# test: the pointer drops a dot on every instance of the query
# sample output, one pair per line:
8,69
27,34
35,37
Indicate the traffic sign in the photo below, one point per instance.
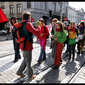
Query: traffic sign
65,19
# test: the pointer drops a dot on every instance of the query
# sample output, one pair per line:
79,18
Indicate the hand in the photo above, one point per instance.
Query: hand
55,38
41,34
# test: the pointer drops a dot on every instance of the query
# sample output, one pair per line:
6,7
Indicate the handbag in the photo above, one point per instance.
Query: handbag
53,43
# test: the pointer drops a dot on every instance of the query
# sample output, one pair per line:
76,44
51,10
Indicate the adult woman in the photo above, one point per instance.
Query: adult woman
42,36
15,44
53,43
81,42
73,32
60,37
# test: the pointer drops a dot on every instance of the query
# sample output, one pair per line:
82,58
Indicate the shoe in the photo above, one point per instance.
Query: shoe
34,76
55,67
16,60
6,39
22,75
43,58
38,61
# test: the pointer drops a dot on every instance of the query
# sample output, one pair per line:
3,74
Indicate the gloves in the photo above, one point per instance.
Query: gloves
38,23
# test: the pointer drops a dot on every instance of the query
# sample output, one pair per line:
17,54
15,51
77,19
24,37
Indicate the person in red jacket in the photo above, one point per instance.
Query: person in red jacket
42,36
27,52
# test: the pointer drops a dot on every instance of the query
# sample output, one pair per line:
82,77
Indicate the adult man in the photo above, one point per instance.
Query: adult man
27,52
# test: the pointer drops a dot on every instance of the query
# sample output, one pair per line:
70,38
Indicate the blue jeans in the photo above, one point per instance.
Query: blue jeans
42,54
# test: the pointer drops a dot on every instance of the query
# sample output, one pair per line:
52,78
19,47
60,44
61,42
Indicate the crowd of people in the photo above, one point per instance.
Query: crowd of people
61,35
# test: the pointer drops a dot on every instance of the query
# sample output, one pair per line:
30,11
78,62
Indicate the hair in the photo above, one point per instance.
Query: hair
41,19
61,25
82,23
26,15
11,23
55,20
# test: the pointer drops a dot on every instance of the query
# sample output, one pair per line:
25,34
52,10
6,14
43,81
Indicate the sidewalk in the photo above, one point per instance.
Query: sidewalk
44,71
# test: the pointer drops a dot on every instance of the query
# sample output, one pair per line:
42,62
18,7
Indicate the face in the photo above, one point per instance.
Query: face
81,25
72,25
13,20
54,22
30,18
57,26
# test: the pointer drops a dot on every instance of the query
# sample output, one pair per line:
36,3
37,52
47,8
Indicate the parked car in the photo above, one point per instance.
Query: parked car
3,31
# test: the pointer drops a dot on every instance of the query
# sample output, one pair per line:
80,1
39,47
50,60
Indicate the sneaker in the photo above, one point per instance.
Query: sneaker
38,61
43,58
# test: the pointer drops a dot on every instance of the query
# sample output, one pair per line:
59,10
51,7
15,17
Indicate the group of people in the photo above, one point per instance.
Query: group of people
60,35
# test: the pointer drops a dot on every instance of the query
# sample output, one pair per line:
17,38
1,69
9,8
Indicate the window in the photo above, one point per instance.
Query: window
19,8
28,4
3,8
44,5
11,7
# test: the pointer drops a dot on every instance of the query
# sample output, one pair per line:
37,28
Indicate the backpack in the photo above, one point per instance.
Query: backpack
45,32
22,34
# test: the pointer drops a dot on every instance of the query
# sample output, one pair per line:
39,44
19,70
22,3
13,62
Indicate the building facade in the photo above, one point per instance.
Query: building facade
75,15
46,10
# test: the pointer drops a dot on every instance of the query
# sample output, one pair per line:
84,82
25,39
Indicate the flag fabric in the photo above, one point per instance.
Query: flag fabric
3,19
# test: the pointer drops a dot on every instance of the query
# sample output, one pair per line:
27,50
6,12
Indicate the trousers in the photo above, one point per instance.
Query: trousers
26,63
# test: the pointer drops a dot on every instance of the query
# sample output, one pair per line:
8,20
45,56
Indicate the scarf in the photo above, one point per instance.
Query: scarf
58,30
73,29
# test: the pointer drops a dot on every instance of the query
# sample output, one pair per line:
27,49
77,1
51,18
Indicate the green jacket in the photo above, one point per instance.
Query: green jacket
61,36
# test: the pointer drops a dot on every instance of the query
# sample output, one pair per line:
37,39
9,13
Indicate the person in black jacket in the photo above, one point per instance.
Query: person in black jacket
15,44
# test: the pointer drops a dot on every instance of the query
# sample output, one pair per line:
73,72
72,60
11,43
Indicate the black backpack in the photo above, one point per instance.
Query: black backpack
45,32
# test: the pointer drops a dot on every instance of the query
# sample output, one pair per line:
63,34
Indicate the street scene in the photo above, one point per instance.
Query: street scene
42,43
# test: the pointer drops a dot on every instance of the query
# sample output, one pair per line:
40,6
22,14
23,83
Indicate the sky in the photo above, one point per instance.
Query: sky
77,4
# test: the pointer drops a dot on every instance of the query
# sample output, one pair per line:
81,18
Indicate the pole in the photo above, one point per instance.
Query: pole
61,12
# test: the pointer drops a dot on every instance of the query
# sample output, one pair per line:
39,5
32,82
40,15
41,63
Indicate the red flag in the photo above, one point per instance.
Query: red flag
3,19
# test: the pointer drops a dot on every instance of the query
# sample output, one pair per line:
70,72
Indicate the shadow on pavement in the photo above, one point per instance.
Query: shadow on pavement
6,66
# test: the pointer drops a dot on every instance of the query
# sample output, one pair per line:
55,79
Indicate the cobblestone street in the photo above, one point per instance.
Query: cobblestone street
68,72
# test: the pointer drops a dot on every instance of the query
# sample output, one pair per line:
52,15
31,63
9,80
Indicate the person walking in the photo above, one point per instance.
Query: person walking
15,44
81,42
27,52
42,36
53,45
73,32
60,37
8,33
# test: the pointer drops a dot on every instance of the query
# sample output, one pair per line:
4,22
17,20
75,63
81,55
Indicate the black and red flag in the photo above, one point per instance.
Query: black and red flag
3,19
